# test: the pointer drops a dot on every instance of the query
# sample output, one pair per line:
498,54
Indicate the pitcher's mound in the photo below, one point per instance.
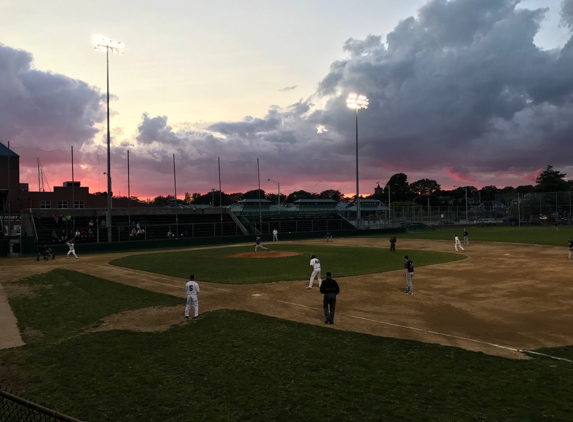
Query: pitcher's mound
265,254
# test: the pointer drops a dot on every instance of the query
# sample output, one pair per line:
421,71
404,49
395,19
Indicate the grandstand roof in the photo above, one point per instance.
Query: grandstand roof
5,152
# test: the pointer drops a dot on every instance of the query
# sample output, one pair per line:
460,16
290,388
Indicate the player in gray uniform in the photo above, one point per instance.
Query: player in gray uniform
466,238
570,243
258,244
315,265
192,288
275,235
408,274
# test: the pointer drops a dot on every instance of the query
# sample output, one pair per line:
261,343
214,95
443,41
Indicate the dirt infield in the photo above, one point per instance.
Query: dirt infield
501,299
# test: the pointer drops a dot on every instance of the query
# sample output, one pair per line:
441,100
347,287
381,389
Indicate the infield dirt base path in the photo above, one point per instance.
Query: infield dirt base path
501,299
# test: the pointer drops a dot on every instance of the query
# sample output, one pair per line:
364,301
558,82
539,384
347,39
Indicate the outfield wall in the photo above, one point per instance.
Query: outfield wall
29,247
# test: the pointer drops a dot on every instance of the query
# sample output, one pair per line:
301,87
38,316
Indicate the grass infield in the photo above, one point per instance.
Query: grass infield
216,265
237,366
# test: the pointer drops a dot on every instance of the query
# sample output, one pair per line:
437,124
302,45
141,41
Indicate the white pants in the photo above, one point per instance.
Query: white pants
260,246
458,244
466,241
72,251
192,301
410,287
275,238
315,273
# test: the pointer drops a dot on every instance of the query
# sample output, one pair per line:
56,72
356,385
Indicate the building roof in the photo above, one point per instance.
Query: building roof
5,152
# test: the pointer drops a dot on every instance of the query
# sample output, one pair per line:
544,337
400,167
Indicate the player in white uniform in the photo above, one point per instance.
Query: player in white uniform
192,288
72,247
457,243
315,264
275,235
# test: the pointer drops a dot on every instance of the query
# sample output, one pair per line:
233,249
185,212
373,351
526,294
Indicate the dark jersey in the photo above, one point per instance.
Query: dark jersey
393,239
329,286
465,234
258,241
409,265
571,244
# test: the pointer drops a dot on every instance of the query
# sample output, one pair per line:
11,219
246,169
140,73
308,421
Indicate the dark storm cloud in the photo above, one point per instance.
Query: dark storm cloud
43,108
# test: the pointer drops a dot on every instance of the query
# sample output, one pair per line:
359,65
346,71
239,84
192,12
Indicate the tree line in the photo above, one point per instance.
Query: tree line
397,188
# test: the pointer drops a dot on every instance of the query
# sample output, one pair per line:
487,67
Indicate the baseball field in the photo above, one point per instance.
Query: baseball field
486,336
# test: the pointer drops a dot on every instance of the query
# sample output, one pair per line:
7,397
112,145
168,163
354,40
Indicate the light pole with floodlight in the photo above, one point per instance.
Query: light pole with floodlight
357,102
279,190
466,189
117,48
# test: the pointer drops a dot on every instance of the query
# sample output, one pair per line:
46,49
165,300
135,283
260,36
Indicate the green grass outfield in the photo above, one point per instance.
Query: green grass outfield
214,265
237,366
539,235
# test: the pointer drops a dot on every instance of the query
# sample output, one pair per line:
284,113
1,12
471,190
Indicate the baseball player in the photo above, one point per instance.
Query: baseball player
457,243
275,235
329,289
392,243
328,237
466,238
192,288
258,244
72,250
408,274
315,265
570,242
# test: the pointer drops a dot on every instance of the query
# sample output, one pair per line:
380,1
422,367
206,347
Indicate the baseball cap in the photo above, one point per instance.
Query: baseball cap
328,274
406,257
191,277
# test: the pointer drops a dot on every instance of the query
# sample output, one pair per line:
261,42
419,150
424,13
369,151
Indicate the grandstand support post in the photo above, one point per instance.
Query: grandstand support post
128,201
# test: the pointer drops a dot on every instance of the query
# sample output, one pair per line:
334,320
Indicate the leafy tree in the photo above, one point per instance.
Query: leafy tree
551,181
254,194
331,194
399,187
300,194
487,193
424,187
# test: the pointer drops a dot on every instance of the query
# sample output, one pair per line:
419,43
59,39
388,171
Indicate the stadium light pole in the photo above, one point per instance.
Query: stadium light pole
466,189
356,102
105,44
413,207
279,189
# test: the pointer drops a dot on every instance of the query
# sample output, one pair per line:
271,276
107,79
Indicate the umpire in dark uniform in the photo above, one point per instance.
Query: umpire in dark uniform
329,288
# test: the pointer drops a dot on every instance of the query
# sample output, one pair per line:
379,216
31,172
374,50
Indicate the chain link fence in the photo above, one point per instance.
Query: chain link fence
14,408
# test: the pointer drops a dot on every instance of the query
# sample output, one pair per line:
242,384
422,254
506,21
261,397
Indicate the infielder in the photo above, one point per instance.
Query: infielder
72,250
457,243
275,235
192,288
258,244
570,242
408,274
466,238
315,265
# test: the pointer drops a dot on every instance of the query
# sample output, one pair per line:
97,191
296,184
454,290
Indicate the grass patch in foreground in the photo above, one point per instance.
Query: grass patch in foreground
237,366
216,265
61,303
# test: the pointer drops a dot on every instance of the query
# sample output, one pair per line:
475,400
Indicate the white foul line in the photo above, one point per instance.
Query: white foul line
512,349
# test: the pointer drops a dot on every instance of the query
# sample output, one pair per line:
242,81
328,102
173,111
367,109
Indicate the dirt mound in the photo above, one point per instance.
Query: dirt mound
265,254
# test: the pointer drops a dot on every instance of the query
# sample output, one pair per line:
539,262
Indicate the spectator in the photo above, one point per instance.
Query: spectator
54,237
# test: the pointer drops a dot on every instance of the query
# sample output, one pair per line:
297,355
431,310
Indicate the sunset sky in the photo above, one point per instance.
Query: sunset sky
466,92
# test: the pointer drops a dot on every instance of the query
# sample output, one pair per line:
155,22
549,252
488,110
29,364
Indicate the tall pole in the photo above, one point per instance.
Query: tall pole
279,189
128,200
467,220
176,204
259,180
108,211
38,160
220,192
389,209
73,194
357,179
